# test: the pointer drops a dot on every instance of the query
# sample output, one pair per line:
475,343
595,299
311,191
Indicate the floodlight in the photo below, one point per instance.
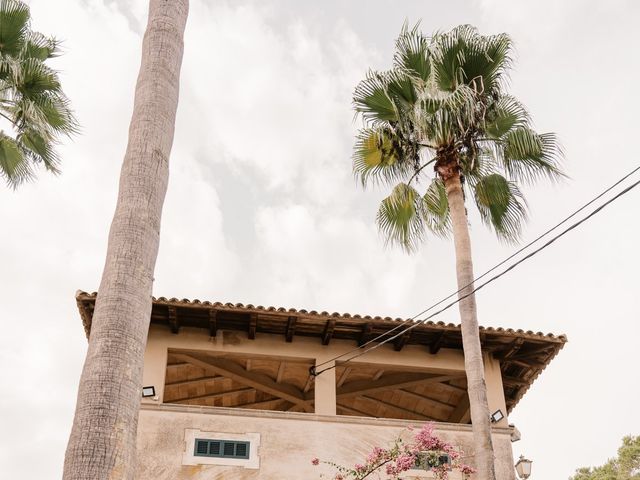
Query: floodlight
148,391
497,416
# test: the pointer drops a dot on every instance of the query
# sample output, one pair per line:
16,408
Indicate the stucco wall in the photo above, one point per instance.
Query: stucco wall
288,441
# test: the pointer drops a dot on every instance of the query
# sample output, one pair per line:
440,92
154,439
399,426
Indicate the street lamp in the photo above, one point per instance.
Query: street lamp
523,467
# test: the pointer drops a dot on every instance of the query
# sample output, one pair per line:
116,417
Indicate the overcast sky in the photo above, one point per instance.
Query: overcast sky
262,207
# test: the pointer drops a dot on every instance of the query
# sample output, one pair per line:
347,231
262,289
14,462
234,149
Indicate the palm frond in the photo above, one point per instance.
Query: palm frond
14,24
412,53
40,47
504,115
401,217
14,167
436,209
501,205
39,149
379,157
528,156
371,99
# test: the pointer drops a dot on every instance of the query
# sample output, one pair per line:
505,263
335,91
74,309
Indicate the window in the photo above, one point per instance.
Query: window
221,448
234,449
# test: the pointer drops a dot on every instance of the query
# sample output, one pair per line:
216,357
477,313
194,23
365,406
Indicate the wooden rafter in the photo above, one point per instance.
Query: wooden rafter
173,320
259,381
362,387
291,328
211,395
427,400
367,331
327,334
461,411
436,345
396,408
354,411
193,381
213,323
273,404
343,376
401,341
280,373
253,326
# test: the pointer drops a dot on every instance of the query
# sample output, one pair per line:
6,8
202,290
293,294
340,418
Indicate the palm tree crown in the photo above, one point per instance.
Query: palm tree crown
33,107
443,103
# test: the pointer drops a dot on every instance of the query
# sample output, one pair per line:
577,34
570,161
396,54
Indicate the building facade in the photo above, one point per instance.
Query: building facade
244,392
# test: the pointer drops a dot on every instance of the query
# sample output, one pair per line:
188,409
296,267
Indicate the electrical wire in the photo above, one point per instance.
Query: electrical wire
314,370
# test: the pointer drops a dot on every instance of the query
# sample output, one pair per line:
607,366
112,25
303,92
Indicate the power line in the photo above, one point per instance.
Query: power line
314,370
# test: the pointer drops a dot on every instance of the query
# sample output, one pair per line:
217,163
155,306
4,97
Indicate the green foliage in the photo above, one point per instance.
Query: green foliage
444,102
626,466
32,104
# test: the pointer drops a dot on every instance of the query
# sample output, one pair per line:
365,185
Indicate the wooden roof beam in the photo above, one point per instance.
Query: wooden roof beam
329,327
361,387
173,320
253,326
366,334
212,395
343,376
436,345
193,381
259,381
353,411
461,410
422,398
398,409
280,373
213,323
401,341
291,328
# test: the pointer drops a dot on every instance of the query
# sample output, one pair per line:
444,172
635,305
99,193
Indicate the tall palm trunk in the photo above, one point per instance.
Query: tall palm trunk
103,437
473,363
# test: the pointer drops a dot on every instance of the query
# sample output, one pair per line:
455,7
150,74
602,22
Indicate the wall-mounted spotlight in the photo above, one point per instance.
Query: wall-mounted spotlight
148,391
497,416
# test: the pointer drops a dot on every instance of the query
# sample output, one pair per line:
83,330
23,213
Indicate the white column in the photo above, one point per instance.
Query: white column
495,390
325,388
155,368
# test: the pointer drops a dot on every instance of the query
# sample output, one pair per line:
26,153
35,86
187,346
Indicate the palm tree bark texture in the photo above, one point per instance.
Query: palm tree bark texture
443,103
103,437
474,365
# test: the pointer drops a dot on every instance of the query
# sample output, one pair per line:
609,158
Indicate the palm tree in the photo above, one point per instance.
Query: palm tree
33,108
444,104
103,436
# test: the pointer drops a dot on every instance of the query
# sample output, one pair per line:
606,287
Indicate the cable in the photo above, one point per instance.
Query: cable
410,320
314,370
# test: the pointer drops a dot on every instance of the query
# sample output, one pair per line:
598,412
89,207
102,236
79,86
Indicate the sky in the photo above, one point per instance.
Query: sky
262,206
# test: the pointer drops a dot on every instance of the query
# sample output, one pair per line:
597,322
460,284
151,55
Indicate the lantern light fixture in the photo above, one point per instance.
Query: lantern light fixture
523,467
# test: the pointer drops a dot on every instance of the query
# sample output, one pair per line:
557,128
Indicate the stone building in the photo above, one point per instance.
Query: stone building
233,396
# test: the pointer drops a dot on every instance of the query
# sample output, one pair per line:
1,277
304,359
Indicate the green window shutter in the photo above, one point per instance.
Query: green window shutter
214,448
221,448
201,447
242,450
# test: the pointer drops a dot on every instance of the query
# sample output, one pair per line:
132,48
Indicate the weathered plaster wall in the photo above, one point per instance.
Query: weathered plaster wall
288,441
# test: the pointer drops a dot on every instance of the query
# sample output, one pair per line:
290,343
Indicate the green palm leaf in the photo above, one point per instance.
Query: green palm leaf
14,25
527,155
501,205
412,53
379,157
31,97
401,217
436,209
